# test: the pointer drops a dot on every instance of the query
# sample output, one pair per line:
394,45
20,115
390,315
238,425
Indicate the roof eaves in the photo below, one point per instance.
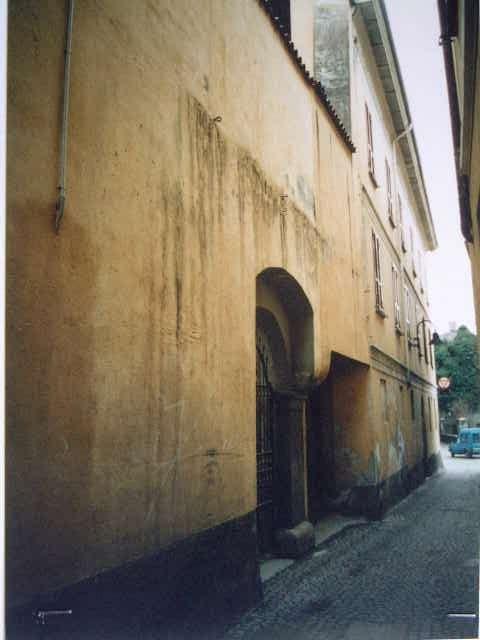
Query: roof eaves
318,88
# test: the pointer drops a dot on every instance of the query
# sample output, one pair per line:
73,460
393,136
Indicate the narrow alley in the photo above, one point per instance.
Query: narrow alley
222,326
398,578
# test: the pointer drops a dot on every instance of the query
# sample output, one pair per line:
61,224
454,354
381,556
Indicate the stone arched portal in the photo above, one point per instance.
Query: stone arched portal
284,351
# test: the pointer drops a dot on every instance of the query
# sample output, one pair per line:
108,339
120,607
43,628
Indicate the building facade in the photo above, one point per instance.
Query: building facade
459,38
217,326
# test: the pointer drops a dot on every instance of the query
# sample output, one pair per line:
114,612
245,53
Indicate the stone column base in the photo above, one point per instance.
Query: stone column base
295,542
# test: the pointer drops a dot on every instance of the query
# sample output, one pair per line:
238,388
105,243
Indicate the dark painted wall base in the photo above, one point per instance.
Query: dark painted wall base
435,463
373,501
188,591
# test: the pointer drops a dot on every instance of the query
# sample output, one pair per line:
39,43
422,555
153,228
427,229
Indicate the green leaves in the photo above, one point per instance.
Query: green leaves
457,360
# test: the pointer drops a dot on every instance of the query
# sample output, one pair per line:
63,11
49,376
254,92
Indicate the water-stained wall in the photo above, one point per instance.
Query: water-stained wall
131,334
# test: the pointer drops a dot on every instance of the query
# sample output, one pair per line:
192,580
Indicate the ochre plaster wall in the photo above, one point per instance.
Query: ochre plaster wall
352,424
395,438
131,334
301,12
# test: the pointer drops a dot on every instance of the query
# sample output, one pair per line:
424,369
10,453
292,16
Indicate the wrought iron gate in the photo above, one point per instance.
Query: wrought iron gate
265,454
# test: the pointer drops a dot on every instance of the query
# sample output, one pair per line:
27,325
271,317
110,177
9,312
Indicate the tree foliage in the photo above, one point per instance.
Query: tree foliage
457,360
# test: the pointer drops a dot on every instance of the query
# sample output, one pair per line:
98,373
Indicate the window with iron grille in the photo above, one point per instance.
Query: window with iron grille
388,174
400,224
396,300
371,160
408,323
377,269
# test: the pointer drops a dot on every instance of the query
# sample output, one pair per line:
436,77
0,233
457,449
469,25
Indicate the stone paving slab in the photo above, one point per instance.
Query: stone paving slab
396,578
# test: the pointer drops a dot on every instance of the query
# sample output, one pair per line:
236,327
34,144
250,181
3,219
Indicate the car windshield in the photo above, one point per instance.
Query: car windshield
463,437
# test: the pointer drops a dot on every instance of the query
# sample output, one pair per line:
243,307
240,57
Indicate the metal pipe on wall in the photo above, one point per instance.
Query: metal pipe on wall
62,180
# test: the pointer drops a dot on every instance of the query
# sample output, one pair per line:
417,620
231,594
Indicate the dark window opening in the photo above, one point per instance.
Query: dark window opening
371,159
281,10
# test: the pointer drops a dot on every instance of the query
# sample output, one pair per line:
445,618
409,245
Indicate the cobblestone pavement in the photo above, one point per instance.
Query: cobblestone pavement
393,579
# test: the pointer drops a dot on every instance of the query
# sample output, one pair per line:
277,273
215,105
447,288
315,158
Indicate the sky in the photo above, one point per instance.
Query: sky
416,30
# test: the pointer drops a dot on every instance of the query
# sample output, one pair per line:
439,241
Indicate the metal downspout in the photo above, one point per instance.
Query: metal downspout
62,179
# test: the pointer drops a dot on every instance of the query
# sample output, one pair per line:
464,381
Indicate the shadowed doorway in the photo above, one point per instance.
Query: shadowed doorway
284,364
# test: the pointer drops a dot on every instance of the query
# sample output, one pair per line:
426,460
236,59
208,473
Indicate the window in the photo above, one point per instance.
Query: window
417,336
420,269
400,224
412,249
408,324
389,194
396,300
377,274
371,161
412,403
426,342
383,387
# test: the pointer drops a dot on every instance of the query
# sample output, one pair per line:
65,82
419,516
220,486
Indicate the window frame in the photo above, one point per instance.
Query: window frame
377,275
390,210
370,148
384,400
408,322
400,223
420,325
396,301
412,249
426,342
420,269
418,342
